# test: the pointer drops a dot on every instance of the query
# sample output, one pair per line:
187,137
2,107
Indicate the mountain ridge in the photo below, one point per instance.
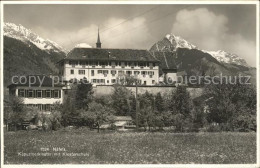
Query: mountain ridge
19,32
171,42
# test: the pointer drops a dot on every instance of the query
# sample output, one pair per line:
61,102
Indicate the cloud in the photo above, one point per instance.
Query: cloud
131,34
125,35
209,31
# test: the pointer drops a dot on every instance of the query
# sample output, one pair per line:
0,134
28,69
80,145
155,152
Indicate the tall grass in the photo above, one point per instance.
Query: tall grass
131,148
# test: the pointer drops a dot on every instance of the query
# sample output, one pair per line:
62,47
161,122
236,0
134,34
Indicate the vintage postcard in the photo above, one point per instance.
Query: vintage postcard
129,84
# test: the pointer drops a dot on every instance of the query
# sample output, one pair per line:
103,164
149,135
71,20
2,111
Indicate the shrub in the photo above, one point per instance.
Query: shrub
245,123
213,128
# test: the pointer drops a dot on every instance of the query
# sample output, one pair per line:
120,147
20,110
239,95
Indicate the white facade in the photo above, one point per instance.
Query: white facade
106,73
41,97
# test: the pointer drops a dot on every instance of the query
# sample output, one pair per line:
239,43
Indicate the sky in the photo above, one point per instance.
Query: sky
231,28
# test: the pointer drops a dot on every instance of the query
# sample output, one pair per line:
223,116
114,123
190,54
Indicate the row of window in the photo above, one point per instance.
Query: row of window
113,81
41,107
113,72
117,63
29,93
99,81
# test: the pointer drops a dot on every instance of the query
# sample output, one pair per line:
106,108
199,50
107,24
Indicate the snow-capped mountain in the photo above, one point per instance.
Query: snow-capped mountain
171,42
223,56
26,35
179,42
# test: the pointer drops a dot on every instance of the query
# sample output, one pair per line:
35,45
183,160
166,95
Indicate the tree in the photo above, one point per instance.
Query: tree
77,98
68,109
83,94
14,110
146,115
97,114
181,108
159,102
121,100
181,102
229,104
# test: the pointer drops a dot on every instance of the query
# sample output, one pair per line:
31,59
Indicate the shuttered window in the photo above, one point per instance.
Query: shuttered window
30,93
56,93
21,92
48,93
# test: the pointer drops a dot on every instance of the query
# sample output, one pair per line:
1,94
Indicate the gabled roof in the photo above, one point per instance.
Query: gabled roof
35,81
167,60
110,54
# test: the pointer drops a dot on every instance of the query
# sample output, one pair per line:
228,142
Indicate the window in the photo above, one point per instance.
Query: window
144,72
129,72
132,65
151,65
94,81
103,63
121,72
151,73
39,106
113,81
48,94
83,63
47,107
72,71
102,80
56,93
30,93
93,64
122,64
39,93
92,73
153,81
144,82
81,72
113,72
99,71
107,81
136,72
21,92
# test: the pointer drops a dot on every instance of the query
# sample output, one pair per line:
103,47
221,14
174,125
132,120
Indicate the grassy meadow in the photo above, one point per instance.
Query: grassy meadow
89,147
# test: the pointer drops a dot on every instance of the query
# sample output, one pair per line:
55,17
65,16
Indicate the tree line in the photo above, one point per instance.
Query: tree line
221,107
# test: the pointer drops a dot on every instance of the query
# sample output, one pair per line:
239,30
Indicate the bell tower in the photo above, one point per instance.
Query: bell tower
98,44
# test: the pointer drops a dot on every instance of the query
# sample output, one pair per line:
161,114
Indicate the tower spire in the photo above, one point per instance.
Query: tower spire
98,44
